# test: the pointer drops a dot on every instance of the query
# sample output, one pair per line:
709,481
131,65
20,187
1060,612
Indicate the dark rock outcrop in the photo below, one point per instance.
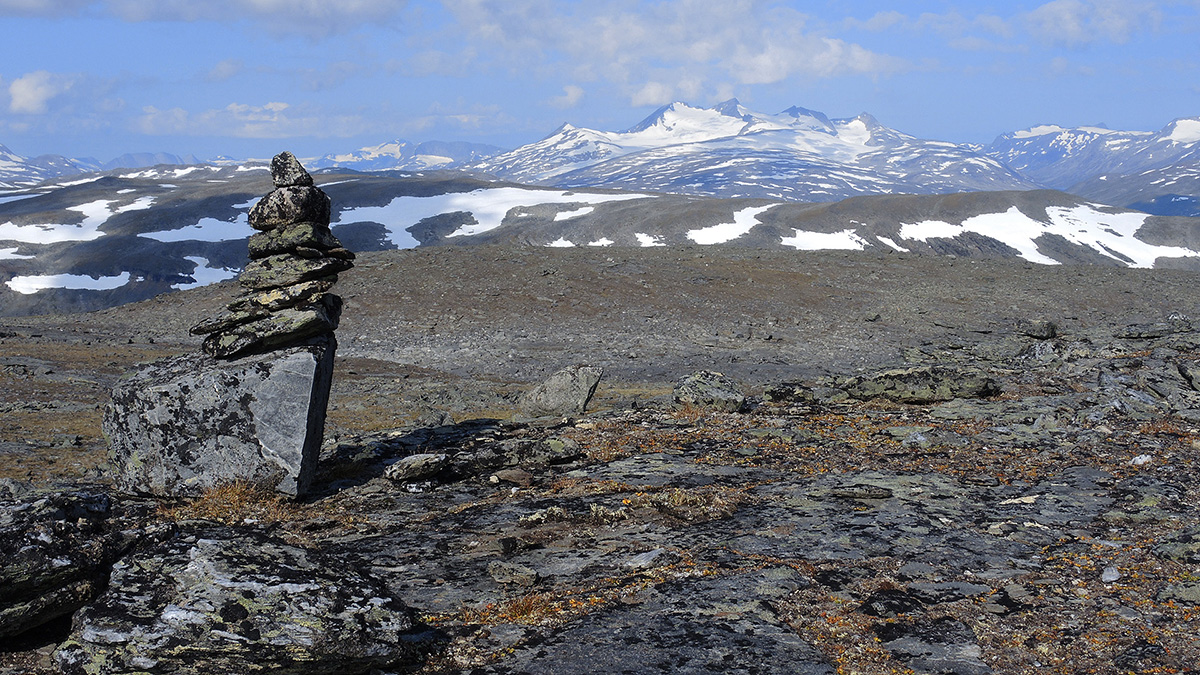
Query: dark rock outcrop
55,552
924,384
183,425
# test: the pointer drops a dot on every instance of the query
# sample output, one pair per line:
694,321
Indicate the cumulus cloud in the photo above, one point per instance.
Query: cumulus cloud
571,96
1080,22
31,93
225,70
663,50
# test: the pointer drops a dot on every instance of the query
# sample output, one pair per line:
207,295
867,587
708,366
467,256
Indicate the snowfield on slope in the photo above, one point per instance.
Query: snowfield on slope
1110,234
488,207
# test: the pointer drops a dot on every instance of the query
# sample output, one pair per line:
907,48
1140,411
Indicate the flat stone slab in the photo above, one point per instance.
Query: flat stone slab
183,425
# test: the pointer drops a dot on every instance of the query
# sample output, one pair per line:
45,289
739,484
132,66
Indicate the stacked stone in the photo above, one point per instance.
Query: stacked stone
294,261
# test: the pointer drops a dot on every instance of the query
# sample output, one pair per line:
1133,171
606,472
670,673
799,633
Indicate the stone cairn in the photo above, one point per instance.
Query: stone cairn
252,406
294,261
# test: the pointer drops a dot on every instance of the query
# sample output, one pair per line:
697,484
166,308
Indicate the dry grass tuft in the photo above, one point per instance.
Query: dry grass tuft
237,503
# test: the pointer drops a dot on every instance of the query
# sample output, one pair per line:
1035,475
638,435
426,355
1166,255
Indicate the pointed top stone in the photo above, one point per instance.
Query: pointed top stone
286,171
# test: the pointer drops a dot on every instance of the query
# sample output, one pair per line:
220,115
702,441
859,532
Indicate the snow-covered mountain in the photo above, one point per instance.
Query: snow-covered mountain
16,170
1063,158
730,151
407,156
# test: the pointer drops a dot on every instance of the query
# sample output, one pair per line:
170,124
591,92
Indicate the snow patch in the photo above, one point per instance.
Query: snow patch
1185,131
1109,234
649,239
204,275
94,213
32,284
561,243
892,243
1040,130
209,229
487,206
567,215
743,222
823,241
602,241
11,254
13,198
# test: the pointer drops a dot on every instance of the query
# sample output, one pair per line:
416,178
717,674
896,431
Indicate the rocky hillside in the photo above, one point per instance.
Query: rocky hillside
910,464
129,235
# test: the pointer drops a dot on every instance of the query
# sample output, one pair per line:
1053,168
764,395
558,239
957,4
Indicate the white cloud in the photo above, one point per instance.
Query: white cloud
316,18
1081,22
225,70
31,93
41,7
662,50
572,95
240,120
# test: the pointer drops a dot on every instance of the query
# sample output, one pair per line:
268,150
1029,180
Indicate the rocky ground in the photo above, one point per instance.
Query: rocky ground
923,478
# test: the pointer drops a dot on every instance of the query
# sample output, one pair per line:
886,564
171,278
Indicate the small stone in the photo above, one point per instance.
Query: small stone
516,476
1038,329
416,467
509,573
289,205
286,171
1110,575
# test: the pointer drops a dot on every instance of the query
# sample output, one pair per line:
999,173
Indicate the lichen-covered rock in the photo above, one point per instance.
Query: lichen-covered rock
286,171
288,237
709,389
287,269
286,326
183,425
288,205
275,299
55,552
221,600
566,392
926,384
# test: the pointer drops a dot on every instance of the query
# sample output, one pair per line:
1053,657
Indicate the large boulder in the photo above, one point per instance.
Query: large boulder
221,600
566,392
55,553
189,423
708,389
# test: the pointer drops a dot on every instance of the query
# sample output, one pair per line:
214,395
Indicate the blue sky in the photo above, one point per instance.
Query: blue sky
248,78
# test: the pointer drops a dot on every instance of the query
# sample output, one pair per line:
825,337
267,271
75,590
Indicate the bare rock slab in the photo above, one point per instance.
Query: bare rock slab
183,425
220,600
566,392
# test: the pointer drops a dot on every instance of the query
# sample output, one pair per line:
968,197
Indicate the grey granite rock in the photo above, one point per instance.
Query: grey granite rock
276,330
288,205
233,601
189,423
286,171
566,392
710,389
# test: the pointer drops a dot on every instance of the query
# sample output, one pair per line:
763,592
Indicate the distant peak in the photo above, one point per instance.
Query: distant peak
730,108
